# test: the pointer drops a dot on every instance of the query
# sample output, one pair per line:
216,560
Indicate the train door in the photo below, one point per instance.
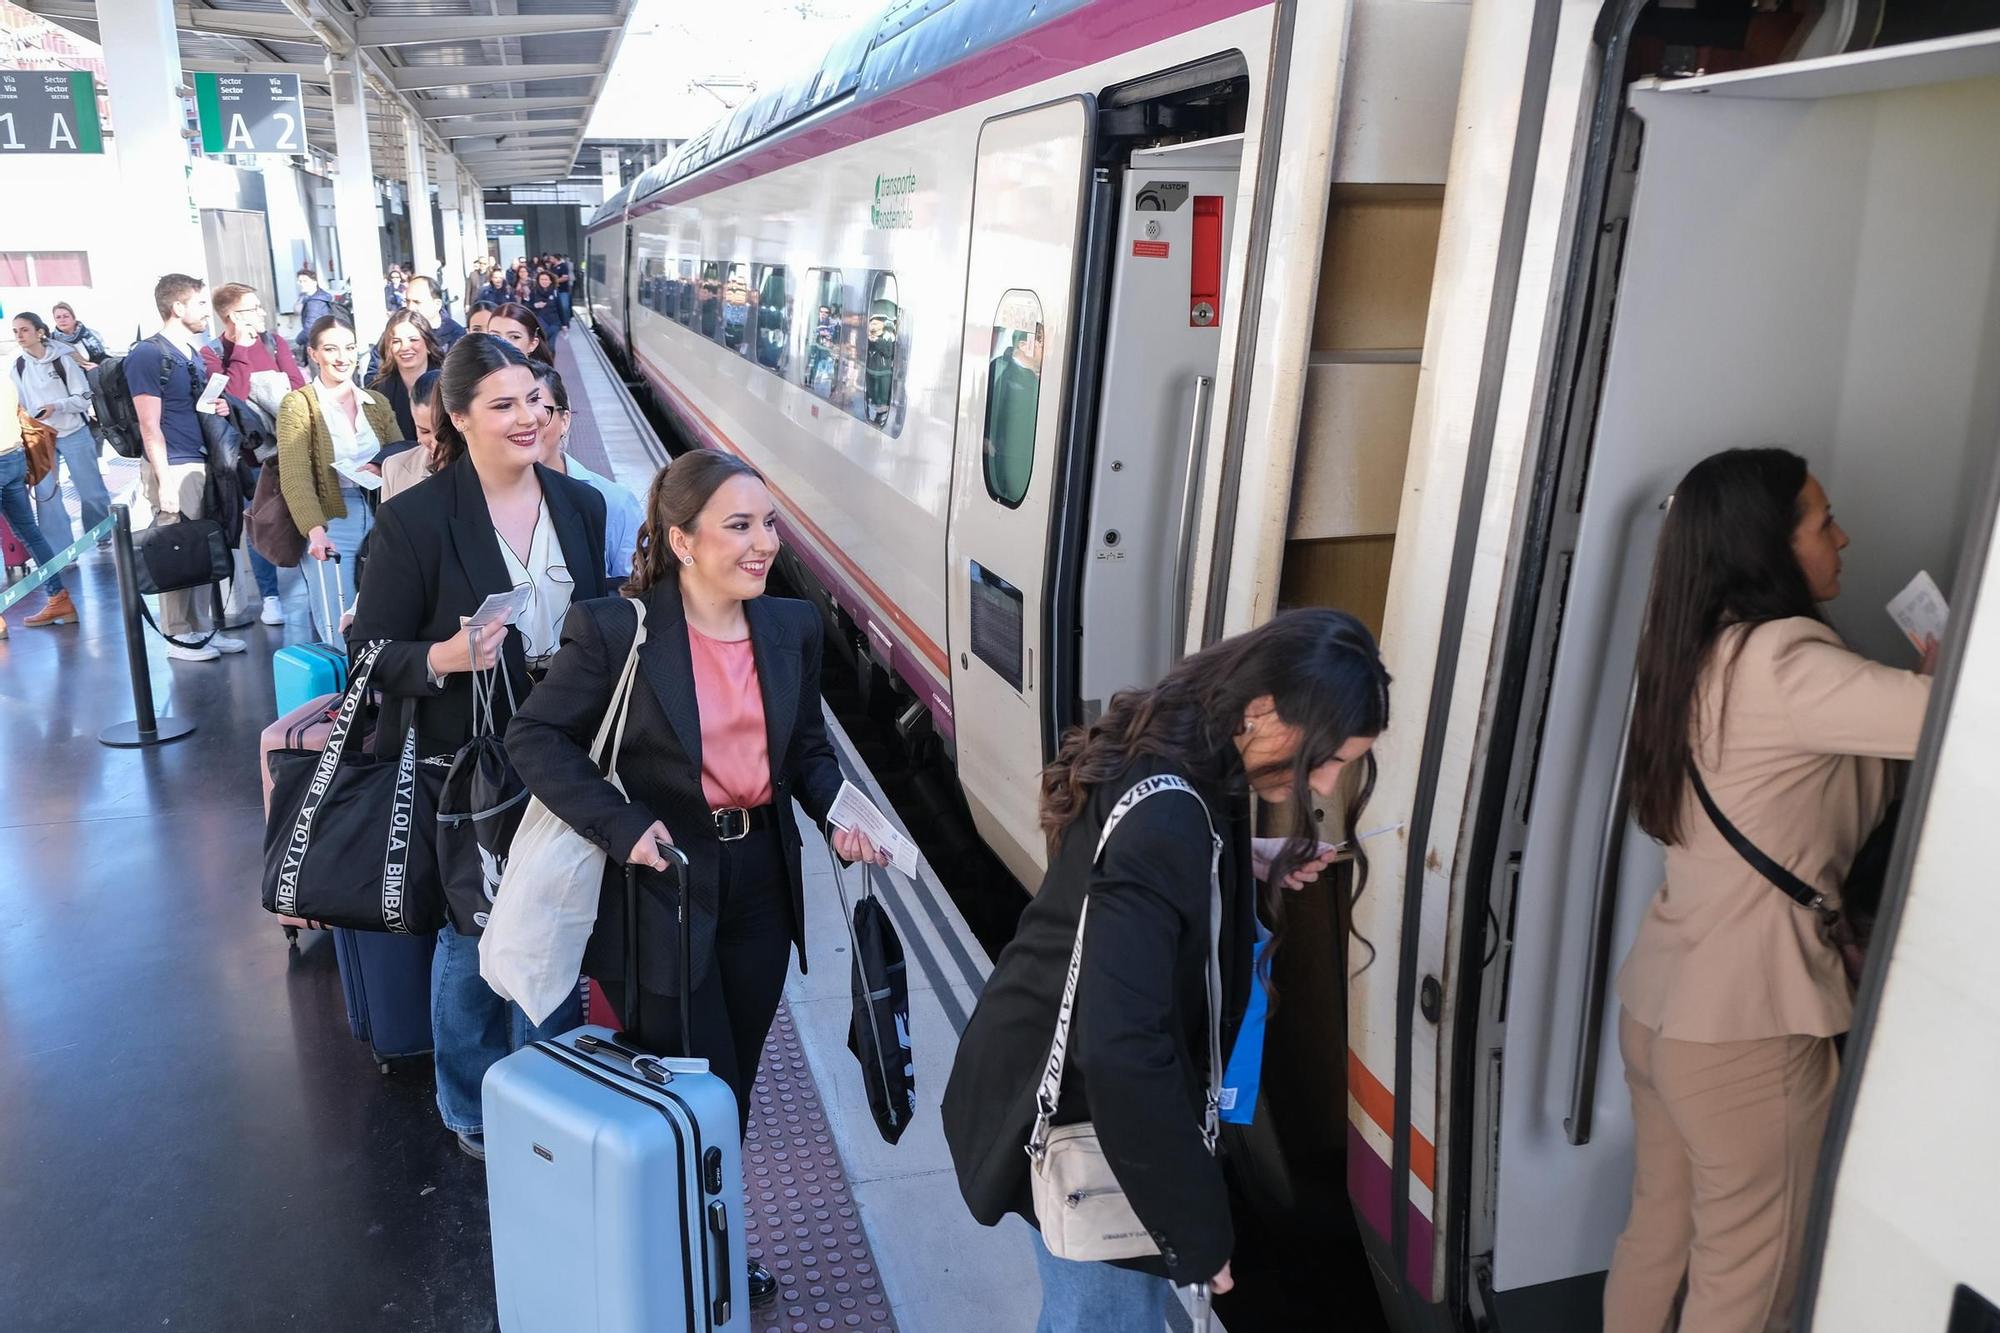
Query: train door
1163,339
1027,208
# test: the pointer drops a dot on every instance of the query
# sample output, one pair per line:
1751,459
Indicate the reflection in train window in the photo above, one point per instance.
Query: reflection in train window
822,346
684,310
708,308
738,309
652,281
876,353
774,317
1013,396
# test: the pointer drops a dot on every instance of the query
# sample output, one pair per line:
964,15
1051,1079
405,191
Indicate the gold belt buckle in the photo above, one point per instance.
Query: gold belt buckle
732,823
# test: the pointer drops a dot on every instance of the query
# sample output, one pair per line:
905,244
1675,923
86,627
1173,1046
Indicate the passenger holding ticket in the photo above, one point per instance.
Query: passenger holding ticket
724,732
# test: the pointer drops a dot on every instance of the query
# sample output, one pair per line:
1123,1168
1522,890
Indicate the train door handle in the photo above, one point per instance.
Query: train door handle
1197,457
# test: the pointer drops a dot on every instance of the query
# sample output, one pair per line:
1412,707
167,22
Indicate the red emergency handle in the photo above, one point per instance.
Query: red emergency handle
1205,263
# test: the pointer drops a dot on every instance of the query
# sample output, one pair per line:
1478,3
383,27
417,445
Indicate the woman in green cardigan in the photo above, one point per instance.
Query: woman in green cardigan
330,427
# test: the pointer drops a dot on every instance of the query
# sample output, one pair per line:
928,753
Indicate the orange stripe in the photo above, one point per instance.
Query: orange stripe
869,587
1379,1105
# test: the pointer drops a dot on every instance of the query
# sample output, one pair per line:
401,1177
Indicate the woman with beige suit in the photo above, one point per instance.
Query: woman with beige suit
1733,994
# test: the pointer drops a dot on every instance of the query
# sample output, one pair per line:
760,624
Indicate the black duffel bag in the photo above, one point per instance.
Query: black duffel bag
173,557
351,837
481,806
878,1031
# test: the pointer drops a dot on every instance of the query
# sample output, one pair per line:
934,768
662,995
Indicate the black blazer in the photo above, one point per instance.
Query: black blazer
660,764
1138,1049
433,557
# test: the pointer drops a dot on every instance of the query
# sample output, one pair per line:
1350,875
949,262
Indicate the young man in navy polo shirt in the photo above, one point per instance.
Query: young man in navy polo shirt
165,375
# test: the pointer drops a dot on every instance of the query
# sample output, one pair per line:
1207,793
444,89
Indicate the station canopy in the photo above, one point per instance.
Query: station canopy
504,86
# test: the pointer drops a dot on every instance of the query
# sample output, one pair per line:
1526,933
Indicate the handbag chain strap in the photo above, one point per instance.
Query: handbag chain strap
1050,1091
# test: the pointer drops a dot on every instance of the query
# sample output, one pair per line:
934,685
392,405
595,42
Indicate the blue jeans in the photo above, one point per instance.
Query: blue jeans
474,1029
1081,1297
21,515
77,451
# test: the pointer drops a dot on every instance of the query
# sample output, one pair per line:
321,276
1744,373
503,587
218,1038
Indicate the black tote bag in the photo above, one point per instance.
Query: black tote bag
173,557
479,809
351,837
879,1032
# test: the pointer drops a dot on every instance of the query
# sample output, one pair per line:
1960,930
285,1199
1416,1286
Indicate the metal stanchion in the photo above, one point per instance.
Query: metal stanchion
145,728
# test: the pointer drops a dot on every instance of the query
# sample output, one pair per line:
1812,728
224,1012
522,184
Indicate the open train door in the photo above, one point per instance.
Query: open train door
1027,212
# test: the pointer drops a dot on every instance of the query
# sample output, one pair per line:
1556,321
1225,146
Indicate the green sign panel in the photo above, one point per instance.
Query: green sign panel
250,113
48,111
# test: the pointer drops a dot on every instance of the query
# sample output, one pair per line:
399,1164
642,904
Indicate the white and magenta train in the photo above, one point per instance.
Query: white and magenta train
1077,334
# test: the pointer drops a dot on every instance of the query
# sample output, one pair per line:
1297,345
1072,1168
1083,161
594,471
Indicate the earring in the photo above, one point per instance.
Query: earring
687,559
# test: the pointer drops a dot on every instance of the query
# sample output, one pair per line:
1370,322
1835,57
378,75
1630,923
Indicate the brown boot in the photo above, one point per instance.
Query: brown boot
59,610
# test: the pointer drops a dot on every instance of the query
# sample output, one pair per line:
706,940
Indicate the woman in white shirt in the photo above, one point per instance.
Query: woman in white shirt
330,426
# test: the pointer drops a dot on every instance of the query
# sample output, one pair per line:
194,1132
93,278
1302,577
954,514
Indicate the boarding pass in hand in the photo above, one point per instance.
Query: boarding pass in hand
853,811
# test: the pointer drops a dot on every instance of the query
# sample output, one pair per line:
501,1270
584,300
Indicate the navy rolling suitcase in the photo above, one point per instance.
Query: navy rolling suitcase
305,671
614,1180
387,981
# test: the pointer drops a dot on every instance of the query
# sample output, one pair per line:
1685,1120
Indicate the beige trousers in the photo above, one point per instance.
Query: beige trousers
183,614
1727,1137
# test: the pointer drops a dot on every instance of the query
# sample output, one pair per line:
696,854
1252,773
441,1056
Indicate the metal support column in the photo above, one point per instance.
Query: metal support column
354,196
455,261
417,173
142,74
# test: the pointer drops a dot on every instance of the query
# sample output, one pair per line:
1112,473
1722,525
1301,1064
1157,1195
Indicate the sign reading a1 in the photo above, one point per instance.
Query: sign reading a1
48,111
250,113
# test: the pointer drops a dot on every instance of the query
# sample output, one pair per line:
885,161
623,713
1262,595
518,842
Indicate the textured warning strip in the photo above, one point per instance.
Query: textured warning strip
803,1223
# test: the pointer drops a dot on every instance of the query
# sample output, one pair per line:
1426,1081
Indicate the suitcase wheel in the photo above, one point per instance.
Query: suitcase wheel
381,1066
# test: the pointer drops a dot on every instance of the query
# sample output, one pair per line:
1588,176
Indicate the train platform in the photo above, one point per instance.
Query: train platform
189,1136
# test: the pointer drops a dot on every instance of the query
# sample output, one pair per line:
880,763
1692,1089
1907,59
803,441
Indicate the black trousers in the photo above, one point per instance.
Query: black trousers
730,1013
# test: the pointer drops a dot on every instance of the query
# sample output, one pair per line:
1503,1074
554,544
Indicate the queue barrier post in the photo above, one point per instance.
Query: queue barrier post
146,728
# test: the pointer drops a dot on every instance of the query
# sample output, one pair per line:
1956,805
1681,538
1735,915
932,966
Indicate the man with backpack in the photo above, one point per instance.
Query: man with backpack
162,379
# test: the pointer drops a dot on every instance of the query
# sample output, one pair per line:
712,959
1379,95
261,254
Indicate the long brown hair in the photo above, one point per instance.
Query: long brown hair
520,314
680,491
1323,673
433,350
1725,559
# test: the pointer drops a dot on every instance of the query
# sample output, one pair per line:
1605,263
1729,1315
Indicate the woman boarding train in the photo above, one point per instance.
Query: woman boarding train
727,735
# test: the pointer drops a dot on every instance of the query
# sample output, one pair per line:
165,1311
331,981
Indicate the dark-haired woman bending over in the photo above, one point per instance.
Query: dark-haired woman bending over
489,520
1276,713
1732,994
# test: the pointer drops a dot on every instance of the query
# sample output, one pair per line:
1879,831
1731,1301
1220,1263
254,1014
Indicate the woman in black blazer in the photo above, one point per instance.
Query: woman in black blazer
1276,713
724,732
489,520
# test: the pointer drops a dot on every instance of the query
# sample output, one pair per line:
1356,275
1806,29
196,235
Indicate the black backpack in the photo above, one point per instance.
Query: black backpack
116,415
62,370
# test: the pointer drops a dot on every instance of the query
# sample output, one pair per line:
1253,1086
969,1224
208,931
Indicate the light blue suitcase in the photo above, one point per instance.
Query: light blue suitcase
305,671
615,1184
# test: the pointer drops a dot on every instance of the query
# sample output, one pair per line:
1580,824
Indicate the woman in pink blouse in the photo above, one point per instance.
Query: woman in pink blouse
726,735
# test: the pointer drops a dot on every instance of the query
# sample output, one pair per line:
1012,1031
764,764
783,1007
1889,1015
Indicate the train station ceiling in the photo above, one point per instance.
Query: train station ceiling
506,86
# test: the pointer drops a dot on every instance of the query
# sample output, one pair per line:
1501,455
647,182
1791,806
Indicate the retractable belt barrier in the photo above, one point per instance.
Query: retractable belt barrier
145,728
14,592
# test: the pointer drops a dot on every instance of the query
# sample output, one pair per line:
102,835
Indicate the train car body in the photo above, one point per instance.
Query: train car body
1075,336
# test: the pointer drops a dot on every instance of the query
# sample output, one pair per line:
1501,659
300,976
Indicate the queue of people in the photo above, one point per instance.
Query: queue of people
1096,1045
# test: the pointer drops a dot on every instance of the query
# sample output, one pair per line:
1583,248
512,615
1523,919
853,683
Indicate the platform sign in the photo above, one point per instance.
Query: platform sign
49,111
250,113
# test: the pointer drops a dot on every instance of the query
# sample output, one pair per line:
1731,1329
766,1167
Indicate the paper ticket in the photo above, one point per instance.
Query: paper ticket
852,810
1920,610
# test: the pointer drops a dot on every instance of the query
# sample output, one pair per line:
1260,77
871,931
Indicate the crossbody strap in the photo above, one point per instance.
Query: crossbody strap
1800,892
612,728
1050,1090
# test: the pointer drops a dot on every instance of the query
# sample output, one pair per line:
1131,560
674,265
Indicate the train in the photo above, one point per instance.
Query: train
1075,336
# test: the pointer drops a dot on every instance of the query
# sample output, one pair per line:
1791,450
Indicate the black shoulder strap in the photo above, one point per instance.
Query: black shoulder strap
1800,892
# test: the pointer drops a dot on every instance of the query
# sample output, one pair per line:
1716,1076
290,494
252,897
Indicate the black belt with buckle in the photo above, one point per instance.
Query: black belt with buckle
734,823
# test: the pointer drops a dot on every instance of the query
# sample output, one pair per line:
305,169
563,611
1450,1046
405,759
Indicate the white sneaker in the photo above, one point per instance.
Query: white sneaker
274,612
223,643
180,652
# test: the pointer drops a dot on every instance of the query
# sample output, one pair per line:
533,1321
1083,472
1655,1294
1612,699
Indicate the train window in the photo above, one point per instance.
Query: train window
739,309
823,352
1013,396
774,318
684,310
708,308
595,266
652,282
879,342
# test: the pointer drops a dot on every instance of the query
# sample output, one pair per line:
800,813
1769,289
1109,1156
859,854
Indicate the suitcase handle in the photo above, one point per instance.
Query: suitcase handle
645,1066
718,1226
677,862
